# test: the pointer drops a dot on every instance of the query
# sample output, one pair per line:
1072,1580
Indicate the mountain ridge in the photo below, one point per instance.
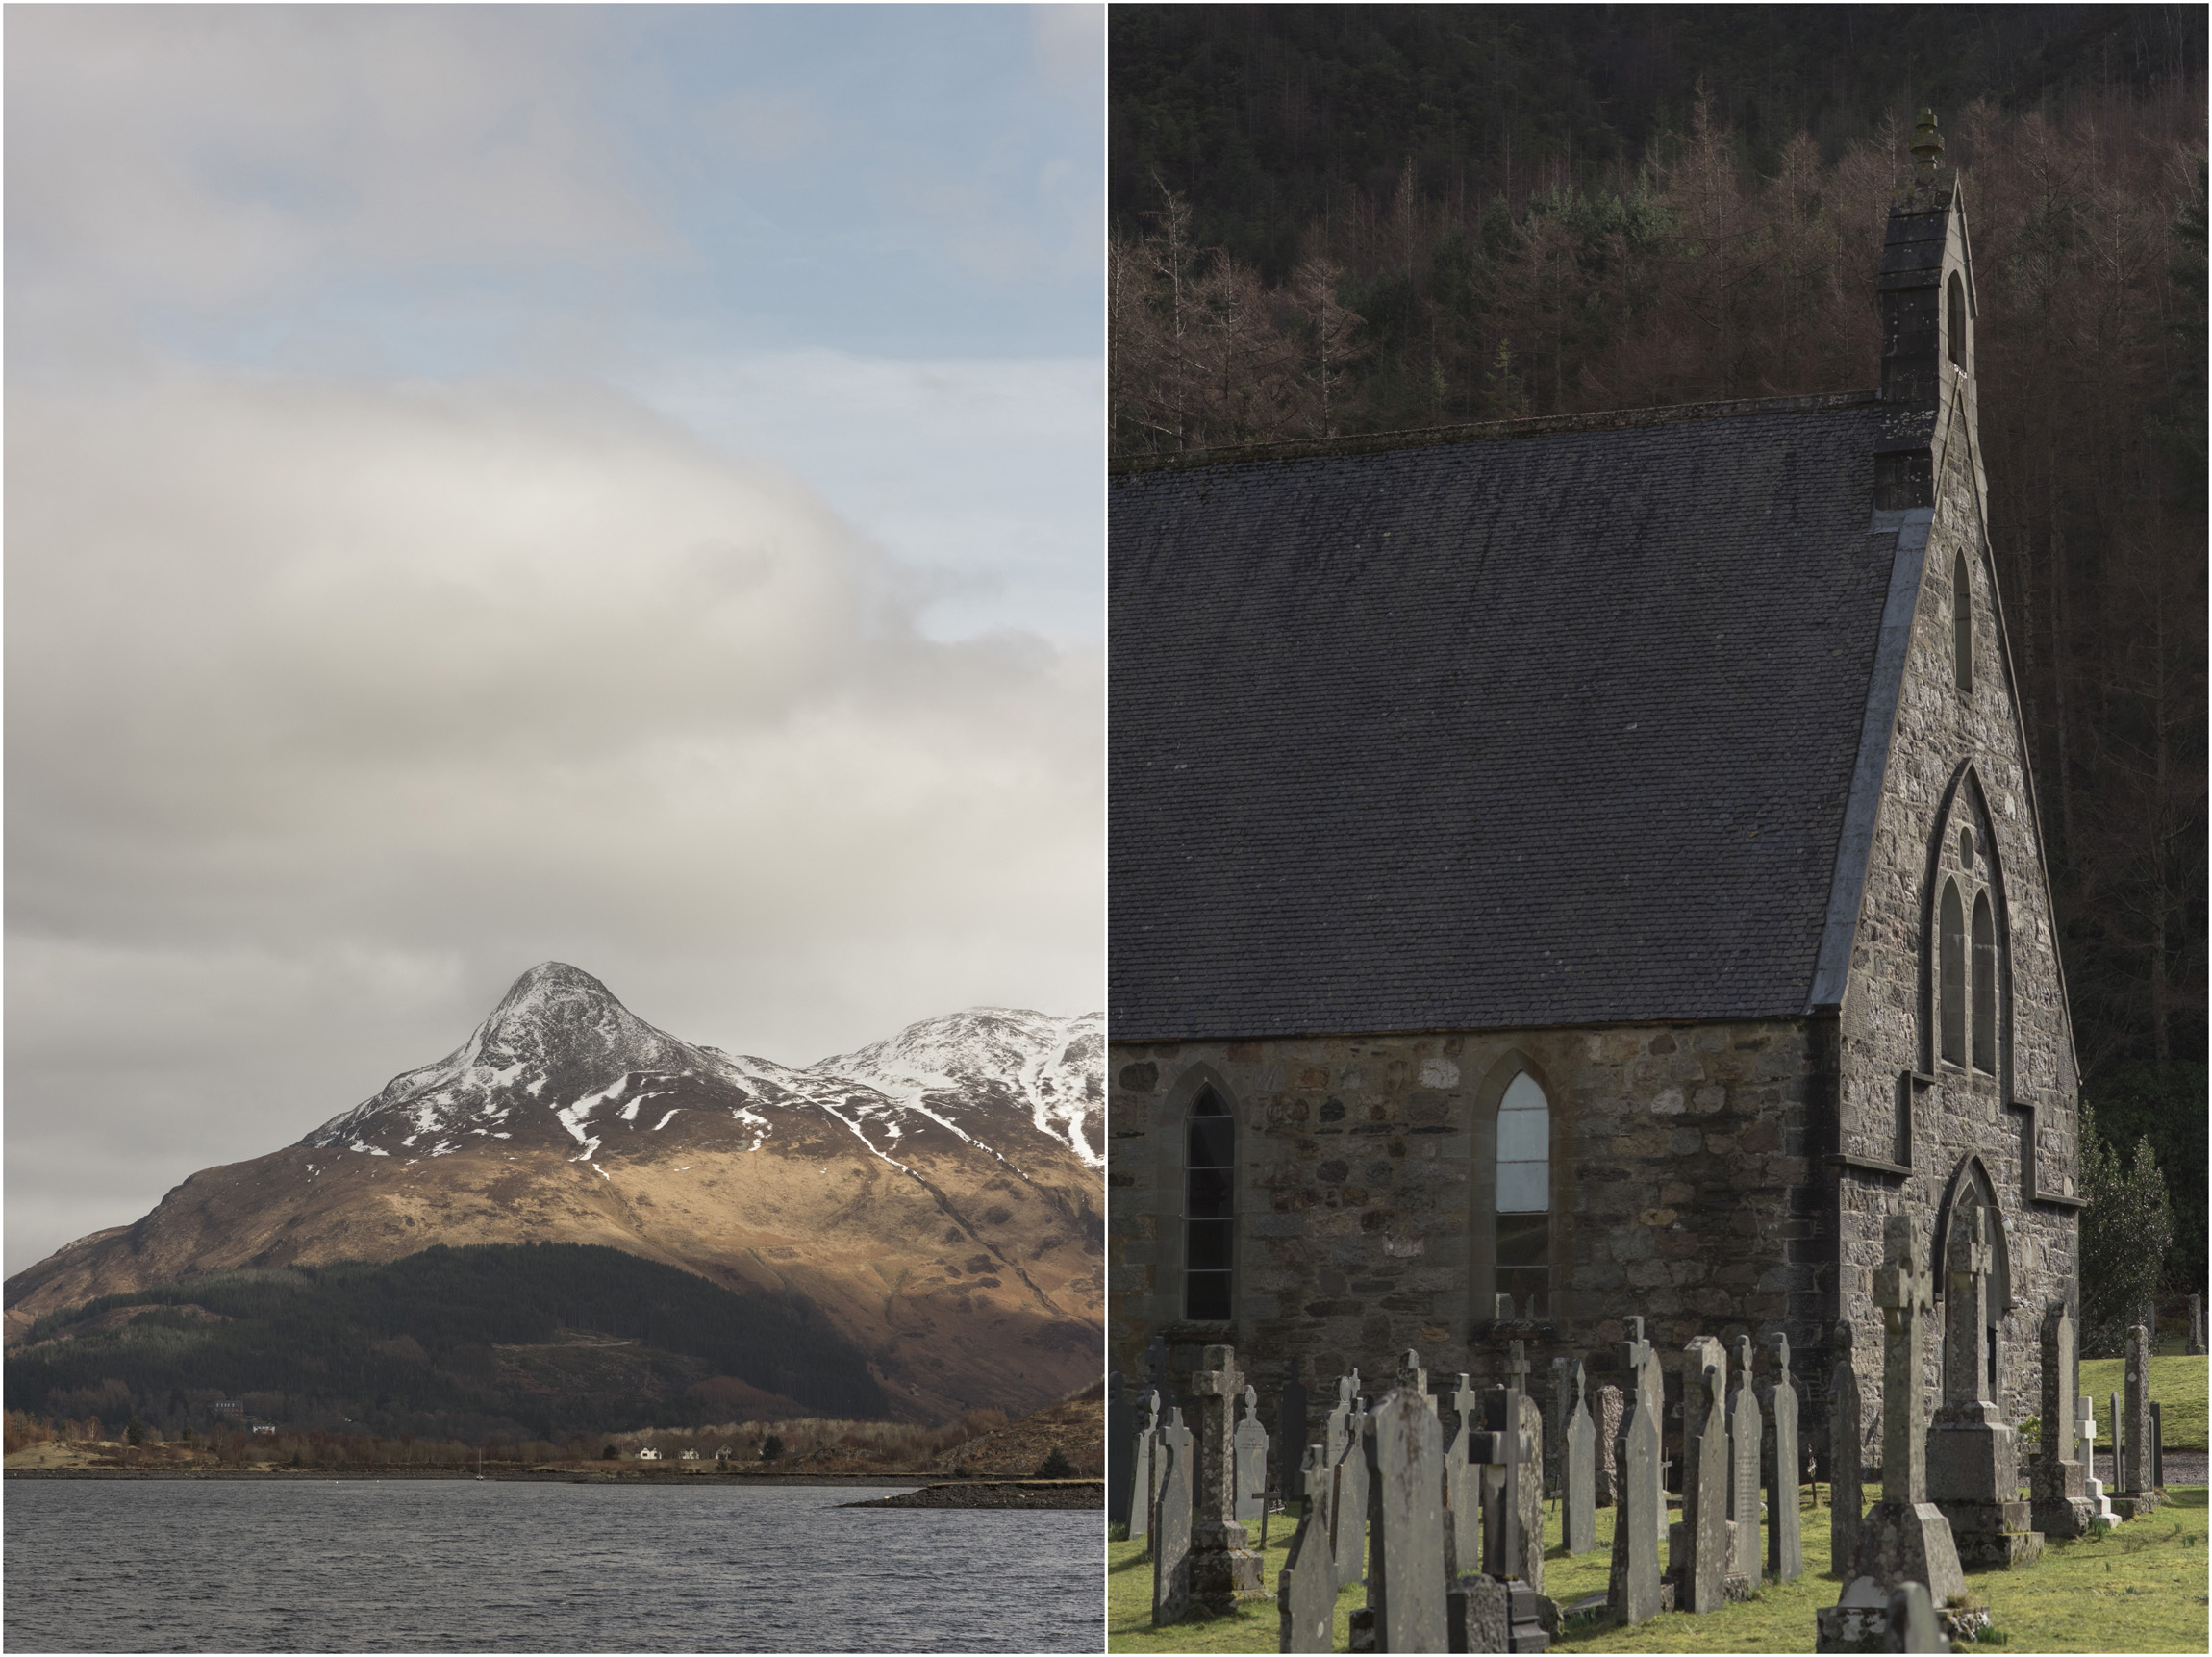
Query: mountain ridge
936,1194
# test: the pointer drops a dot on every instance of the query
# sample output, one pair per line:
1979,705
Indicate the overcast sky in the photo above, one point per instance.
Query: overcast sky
490,485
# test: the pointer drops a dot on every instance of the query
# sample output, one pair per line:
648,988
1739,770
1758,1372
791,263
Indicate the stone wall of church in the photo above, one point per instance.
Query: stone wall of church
1682,1178
2027,1108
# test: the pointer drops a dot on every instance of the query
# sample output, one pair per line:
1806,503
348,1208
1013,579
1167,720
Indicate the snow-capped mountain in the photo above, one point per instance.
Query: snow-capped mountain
1054,1067
934,1194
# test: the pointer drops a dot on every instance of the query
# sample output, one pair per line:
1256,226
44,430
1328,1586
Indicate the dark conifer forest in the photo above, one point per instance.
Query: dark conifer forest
1340,219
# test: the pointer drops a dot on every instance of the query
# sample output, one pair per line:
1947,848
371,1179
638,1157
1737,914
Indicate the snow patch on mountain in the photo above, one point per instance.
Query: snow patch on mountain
964,1064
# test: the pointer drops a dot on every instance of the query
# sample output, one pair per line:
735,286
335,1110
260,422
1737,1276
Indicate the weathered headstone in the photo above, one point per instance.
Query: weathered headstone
2196,1325
2135,1476
1462,1416
2091,1486
1349,1529
1913,1624
1746,1431
1556,1405
2118,1418
1171,1521
1120,1448
1785,1546
1250,1443
1145,1467
1847,1435
1904,1537
1702,1584
1608,1416
1632,1591
1973,1452
1291,1430
1578,1515
2157,1449
1225,1571
1306,1587
1513,1496
2061,1505
1404,1446
1478,1615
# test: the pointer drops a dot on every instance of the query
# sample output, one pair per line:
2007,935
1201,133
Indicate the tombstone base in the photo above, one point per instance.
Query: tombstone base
2137,1506
1224,1572
1991,1535
1859,1620
1478,1615
2061,1516
1901,1542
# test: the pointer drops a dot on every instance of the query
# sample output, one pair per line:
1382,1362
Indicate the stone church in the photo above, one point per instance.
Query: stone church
1583,867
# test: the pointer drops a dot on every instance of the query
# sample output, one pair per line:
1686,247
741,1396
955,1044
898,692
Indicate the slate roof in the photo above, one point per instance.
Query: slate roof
1553,728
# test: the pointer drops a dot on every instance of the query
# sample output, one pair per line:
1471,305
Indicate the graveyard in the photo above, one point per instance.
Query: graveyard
1677,1510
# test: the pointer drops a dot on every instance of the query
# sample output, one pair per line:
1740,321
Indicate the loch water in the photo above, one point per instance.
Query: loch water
398,1565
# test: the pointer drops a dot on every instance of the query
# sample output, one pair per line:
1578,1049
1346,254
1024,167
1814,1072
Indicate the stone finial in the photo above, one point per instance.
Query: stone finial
1579,1396
1928,142
1251,1403
1780,1343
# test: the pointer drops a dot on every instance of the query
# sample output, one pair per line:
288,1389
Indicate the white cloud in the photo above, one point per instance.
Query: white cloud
332,708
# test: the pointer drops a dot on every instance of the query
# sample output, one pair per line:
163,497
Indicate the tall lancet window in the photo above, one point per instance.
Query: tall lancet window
1952,971
1962,623
1954,321
1524,1196
1984,985
1209,1209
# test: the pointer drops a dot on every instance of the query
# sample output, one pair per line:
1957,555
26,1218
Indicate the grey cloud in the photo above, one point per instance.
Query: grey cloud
332,708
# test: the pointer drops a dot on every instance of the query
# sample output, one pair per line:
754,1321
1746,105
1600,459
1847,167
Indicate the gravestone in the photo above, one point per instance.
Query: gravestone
1701,1586
1349,1527
1578,1517
1462,1415
1973,1452
1557,1404
1291,1430
1121,1432
2116,1489
1174,1452
1225,1571
1404,1445
2061,1505
2093,1487
1609,1415
1513,1491
2157,1449
1145,1467
2135,1476
1478,1615
1846,1438
2196,1325
1904,1537
1913,1624
1632,1591
1250,1445
1306,1587
1785,1548
1747,1432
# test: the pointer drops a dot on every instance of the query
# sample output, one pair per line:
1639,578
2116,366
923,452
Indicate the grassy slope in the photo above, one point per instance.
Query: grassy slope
2178,1383
2141,1589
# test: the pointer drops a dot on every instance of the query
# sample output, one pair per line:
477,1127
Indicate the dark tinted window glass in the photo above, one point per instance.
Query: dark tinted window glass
1523,1239
1213,1141
1211,1193
1210,1245
1207,1296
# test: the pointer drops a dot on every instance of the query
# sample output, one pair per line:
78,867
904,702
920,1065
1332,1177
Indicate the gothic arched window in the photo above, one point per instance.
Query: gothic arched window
1523,1207
1962,623
1954,320
1209,1209
1984,985
1951,974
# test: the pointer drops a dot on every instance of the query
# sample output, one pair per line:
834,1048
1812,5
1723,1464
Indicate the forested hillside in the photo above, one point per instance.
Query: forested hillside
1338,219
539,1339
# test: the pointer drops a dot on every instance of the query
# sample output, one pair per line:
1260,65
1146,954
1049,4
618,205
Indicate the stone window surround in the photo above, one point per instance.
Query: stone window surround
1482,1154
1965,805
1175,1114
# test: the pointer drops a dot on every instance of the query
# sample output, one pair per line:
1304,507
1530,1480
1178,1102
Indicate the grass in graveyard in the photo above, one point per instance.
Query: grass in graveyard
2178,1385
2141,1587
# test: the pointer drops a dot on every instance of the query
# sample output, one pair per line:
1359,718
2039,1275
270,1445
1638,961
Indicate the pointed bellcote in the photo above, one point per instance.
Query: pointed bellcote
1928,308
